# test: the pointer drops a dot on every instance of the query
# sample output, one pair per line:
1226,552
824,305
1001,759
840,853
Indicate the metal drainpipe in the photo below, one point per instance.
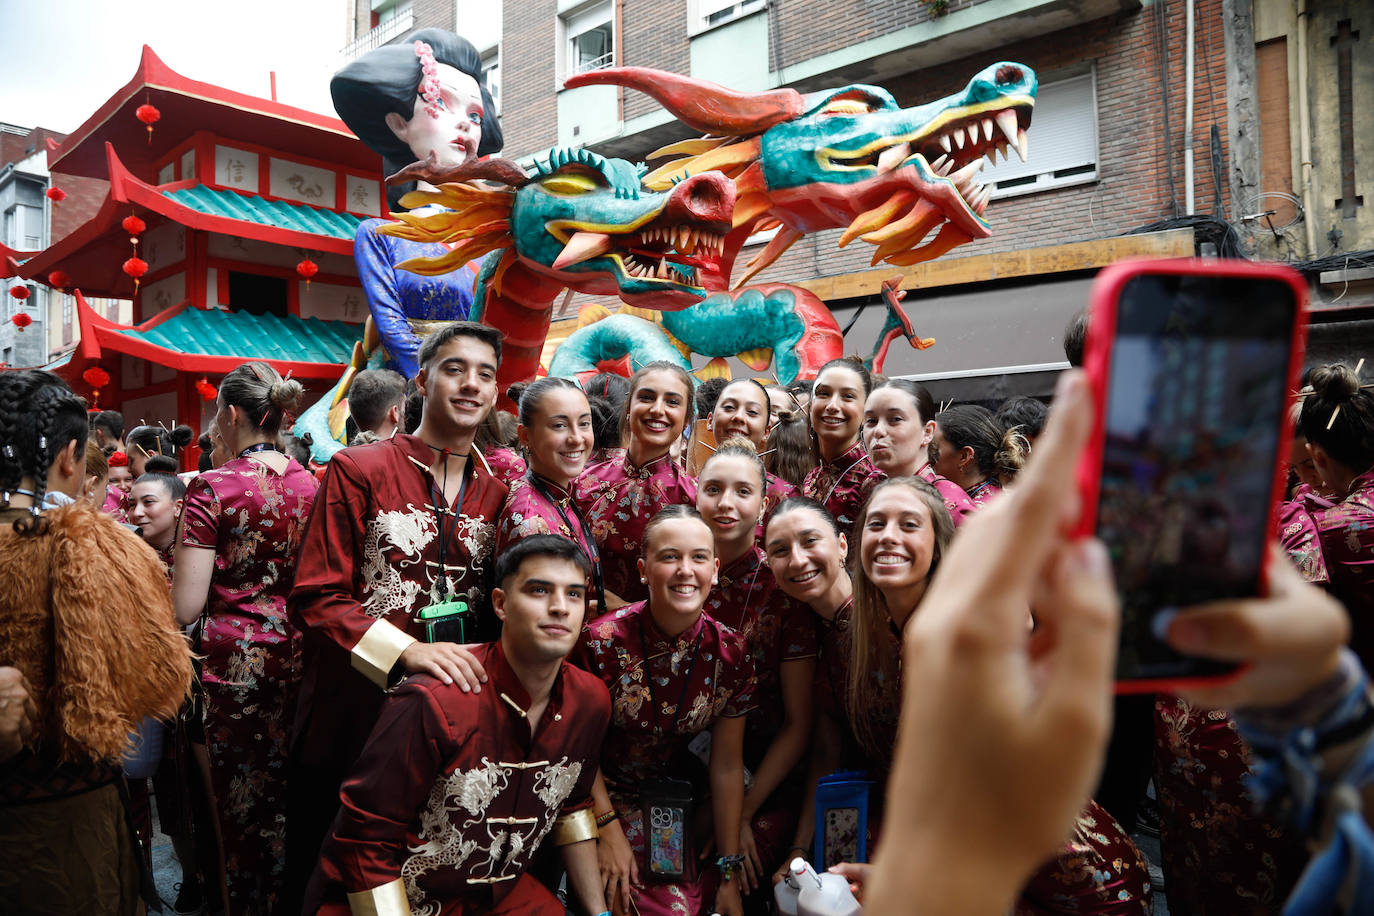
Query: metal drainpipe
1189,201
1305,133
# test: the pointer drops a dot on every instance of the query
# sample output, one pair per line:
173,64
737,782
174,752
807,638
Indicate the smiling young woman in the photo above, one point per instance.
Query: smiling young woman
781,636
620,495
845,475
673,672
899,423
743,409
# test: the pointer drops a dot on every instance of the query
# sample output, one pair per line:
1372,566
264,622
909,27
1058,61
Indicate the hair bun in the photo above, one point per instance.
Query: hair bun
181,436
287,395
1336,382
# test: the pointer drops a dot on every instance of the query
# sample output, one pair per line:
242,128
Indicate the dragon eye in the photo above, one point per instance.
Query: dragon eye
569,184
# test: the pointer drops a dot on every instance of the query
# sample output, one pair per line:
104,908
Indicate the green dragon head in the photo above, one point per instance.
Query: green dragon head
582,221
847,158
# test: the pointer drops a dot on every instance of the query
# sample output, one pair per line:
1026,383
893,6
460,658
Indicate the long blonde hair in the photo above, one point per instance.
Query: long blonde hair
874,651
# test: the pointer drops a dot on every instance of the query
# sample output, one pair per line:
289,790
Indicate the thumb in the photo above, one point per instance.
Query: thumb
1082,613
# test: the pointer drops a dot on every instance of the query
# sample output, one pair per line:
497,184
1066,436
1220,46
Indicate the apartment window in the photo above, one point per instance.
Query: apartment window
707,14
491,75
588,39
67,316
1062,139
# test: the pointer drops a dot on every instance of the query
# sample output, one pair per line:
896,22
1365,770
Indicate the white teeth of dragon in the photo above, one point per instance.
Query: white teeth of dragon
1022,145
987,128
939,164
944,142
1006,120
893,156
965,175
959,137
581,247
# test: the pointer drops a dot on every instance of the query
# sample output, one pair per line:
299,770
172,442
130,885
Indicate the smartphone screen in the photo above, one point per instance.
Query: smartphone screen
1194,411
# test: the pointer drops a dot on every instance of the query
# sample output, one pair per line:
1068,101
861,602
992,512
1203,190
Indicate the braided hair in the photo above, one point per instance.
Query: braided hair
39,416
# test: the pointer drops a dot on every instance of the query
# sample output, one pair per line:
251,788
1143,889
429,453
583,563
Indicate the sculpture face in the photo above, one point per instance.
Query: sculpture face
451,128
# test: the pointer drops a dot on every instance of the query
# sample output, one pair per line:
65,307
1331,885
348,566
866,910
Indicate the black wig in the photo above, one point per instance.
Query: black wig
388,80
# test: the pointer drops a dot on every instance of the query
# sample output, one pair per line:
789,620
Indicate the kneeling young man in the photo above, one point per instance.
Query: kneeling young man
455,791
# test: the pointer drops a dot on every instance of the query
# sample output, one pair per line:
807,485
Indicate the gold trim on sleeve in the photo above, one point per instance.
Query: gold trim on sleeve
377,651
385,900
574,828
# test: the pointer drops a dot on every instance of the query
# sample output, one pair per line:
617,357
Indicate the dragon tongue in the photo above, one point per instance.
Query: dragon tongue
582,246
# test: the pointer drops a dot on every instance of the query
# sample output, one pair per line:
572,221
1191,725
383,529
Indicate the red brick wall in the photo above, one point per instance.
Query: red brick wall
84,196
808,28
655,35
529,112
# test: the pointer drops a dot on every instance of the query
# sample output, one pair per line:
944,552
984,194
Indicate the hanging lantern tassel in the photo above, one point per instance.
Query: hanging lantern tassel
307,269
149,115
134,226
136,268
207,391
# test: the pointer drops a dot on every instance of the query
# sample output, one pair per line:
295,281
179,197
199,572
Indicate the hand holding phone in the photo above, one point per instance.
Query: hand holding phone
1191,363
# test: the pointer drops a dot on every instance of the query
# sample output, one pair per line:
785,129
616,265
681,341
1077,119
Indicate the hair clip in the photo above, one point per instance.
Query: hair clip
42,443
9,451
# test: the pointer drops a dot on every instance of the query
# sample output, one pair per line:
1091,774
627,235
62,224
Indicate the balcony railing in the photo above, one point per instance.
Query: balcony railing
393,28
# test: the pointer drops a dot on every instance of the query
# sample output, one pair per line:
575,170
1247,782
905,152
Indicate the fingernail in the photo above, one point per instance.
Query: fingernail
1092,558
1159,625
1069,387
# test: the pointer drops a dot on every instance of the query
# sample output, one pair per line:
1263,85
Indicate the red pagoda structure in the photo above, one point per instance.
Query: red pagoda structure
244,213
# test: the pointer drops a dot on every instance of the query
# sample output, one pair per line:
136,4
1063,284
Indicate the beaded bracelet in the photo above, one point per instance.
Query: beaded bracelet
729,866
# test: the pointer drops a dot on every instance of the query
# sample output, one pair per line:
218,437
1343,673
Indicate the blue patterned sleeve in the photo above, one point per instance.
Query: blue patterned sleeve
376,270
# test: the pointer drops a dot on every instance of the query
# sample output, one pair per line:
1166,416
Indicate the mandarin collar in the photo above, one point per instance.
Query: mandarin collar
1362,482
422,456
512,693
657,639
560,494
849,457
742,566
648,468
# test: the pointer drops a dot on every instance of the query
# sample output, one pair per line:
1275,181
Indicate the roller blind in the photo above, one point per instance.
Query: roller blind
1062,135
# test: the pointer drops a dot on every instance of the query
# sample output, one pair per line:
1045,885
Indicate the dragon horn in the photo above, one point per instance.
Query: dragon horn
699,104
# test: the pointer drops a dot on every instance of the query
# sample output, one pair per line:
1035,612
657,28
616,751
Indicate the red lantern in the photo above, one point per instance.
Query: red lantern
135,267
21,320
307,269
149,115
56,195
207,391
58,279
96,377
19,292
133,225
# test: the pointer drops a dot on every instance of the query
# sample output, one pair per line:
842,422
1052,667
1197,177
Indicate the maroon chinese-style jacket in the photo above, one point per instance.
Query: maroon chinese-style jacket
455,791
530,510
618,499
369,563
774,492
1347,537
842,485
956,500
776,629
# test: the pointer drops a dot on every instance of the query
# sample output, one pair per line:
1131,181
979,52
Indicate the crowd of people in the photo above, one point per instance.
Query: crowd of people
606,652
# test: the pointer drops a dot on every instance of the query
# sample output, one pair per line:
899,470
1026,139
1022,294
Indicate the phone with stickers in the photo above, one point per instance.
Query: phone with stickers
1192,364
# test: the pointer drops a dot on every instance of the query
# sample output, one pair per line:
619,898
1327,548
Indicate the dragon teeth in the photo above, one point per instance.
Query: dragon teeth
959,137
1022,145
987,128
893,156
1006,120
944,142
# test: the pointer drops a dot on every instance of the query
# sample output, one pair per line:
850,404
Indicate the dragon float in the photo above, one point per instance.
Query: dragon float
667,241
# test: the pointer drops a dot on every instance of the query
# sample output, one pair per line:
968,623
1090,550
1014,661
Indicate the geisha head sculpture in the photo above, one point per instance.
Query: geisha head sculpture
420,96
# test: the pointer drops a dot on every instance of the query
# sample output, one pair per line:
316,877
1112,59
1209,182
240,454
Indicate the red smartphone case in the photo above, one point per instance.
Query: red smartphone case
1106,292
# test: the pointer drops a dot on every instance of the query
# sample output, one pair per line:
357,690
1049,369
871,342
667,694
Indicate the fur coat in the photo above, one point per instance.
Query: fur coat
85,614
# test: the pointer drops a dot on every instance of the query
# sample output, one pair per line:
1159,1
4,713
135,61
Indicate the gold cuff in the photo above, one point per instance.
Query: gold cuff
377,651
574,828
386,900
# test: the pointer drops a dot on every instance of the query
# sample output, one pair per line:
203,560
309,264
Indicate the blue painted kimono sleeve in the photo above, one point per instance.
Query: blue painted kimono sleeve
376,269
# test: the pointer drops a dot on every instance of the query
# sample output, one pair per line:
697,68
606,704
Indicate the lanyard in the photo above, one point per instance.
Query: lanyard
441,512
831,492
649,675
257,447
587,541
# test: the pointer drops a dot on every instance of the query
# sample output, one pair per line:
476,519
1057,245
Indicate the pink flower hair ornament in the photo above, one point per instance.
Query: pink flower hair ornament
430,88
